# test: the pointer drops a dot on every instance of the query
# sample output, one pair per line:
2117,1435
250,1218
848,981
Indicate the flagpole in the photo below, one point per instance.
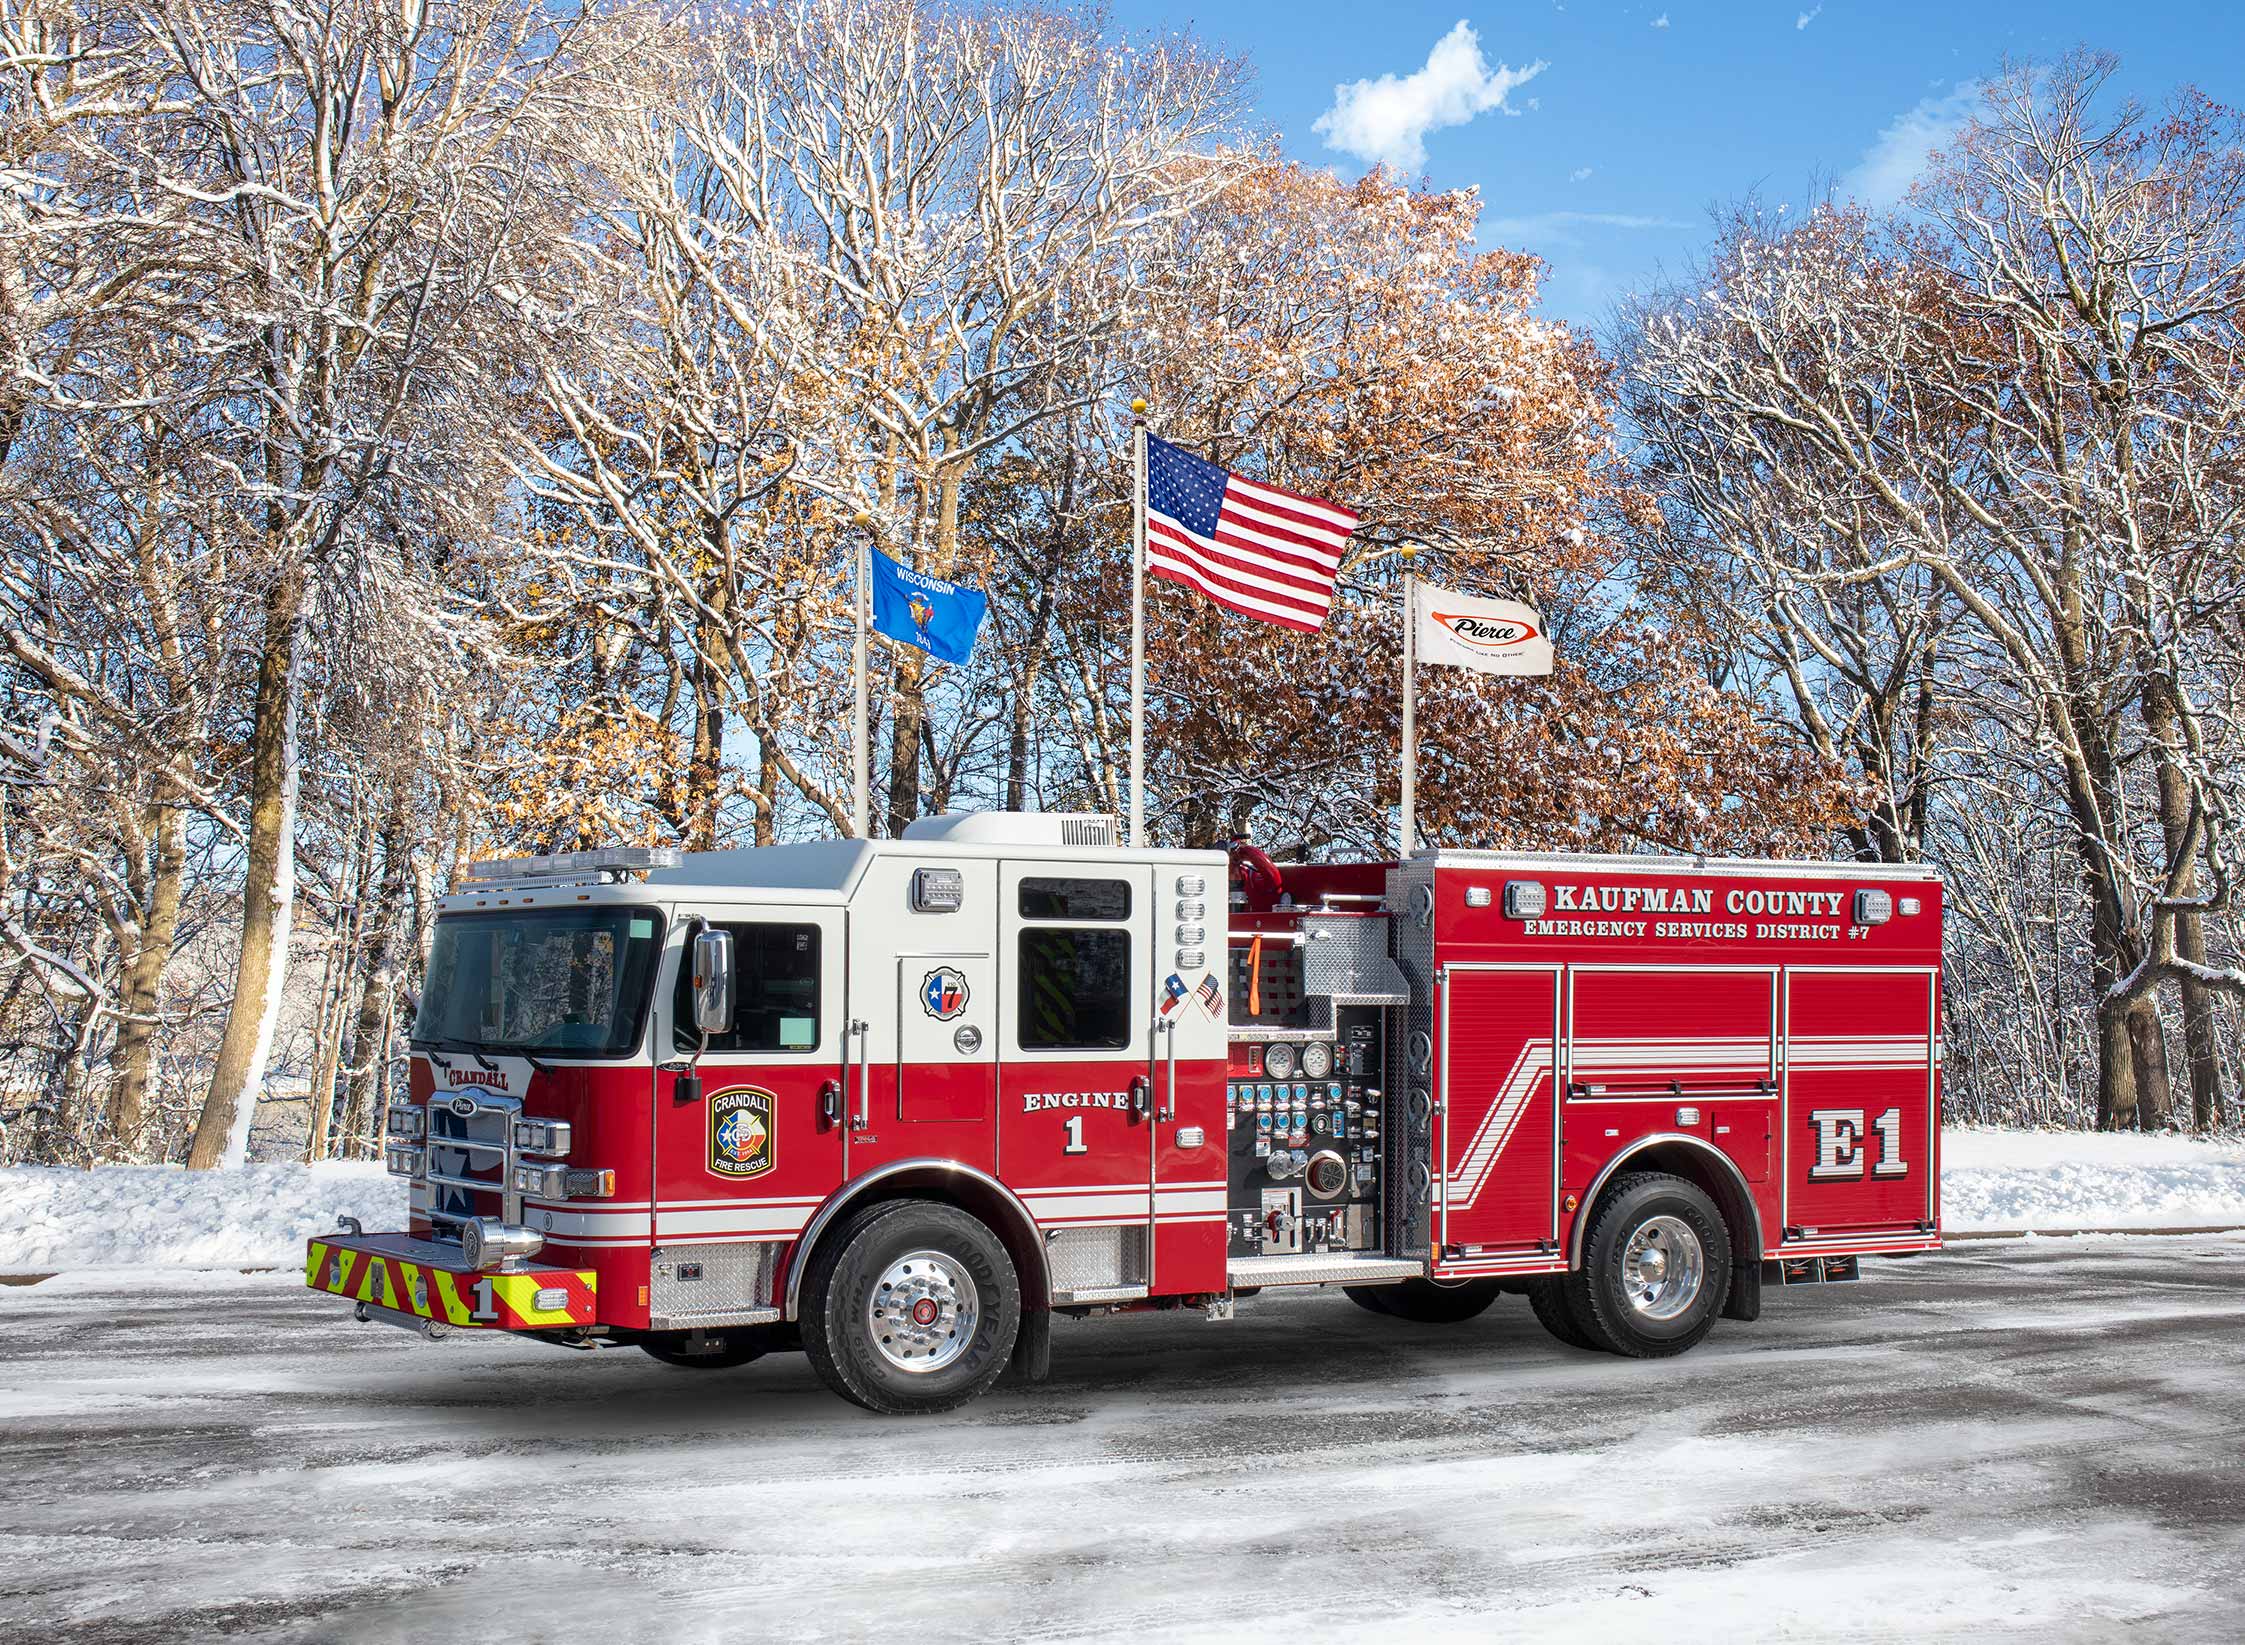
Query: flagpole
1138,623
859,781
1410,552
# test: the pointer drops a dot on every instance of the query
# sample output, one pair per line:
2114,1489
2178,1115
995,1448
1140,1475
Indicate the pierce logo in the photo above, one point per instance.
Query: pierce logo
943,993
742,1140
1485,633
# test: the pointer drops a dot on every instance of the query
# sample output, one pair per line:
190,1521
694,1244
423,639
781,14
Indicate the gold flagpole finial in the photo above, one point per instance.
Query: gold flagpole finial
1138,408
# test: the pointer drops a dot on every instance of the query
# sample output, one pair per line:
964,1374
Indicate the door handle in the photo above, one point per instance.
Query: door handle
863,1031
1169,1095
830,1103
1141,1095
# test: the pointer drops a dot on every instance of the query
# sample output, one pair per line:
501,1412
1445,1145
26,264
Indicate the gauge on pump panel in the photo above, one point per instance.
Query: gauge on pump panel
1278,1061
1317,1060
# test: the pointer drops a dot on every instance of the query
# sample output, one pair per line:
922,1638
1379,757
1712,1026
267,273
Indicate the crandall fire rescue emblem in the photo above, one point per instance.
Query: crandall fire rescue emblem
943,993
741,1125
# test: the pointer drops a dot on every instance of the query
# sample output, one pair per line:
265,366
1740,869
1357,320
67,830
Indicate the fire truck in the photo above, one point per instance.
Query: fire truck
898,1103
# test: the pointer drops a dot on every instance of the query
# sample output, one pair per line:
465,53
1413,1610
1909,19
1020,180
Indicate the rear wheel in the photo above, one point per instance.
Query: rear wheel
911,1308
1373,1299
1431,1302
1548,1297
1656,1267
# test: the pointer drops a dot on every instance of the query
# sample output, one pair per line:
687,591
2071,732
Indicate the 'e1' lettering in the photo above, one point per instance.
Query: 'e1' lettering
1839,1144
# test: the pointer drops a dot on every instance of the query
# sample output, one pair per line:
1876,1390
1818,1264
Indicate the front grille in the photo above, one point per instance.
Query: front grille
467,1168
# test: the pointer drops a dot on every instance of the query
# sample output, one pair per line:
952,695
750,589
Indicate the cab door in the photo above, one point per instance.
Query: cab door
1076,1067
923,990
740,1167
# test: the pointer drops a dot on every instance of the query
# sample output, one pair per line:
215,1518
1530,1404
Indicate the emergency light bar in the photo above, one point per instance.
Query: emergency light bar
609,861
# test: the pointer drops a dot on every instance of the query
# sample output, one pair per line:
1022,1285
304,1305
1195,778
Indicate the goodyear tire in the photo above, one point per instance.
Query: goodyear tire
1655,1267
911,1308
1548,1297
1424,1302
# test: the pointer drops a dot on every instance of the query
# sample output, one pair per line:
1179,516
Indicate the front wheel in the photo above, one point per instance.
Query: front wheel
1655,1268
912,1308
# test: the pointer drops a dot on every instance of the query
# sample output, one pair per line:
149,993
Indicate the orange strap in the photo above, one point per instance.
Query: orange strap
1255,977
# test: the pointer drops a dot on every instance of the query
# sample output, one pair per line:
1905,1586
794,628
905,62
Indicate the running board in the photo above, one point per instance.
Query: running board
1098,1293
1336,1268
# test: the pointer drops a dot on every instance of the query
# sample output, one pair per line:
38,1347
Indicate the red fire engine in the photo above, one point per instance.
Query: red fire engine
898,1102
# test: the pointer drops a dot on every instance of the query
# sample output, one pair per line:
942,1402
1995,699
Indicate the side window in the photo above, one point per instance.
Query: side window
775,992
1075,988
1059,899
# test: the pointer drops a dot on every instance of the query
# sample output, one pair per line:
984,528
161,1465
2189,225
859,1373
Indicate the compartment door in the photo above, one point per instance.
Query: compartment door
1861,1124
1498,1132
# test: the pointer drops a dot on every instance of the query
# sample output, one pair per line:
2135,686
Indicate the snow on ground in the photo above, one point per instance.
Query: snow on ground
2086,1179
2015,1443
260,1216
122,1216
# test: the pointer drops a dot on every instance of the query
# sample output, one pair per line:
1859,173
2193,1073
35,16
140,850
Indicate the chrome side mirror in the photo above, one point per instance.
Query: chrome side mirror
713,981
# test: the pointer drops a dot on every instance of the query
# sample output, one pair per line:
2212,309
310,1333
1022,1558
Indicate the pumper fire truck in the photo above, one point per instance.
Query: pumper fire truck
899,1102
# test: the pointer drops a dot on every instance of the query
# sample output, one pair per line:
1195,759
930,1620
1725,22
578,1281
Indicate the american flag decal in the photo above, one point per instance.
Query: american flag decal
1250,547
1210,996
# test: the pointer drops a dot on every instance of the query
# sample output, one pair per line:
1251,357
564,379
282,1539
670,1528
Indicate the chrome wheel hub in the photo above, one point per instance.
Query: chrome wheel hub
923,1311
1662,1268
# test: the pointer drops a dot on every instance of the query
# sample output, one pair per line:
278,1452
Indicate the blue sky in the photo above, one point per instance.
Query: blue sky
1606,160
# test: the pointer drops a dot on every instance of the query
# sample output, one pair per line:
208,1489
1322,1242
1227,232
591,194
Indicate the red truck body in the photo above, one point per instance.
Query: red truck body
1421,1075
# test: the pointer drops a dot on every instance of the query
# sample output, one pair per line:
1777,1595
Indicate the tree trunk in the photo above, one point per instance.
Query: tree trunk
268,889
2147,1046
2201,1043
135,1054
705,768
361,1104
2116,1076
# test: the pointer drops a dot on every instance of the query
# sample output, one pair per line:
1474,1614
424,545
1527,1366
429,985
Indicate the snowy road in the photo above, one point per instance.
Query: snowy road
2038,1440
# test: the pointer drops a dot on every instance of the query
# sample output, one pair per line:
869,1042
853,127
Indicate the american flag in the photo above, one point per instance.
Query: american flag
1250,547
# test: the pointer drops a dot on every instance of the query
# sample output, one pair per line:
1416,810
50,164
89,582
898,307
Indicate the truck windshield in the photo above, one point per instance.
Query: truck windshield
565,979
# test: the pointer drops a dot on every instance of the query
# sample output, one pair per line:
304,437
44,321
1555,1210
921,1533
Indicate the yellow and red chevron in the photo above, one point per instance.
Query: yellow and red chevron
345,1267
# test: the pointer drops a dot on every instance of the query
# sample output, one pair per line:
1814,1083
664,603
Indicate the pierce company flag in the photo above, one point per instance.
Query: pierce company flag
1494,636
1249,547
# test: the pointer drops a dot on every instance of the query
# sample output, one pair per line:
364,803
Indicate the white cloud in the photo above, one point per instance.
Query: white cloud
1386,120
1561,229
1890,165
1808,17
1661,21
1581,174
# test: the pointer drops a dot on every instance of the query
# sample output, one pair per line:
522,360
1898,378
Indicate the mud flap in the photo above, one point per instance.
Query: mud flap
1745,1301
1032,1346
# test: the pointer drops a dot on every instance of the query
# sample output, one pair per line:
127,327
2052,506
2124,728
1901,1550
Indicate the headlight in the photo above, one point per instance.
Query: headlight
542,1137
563,1182
402,1159
406,1120
543,1181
